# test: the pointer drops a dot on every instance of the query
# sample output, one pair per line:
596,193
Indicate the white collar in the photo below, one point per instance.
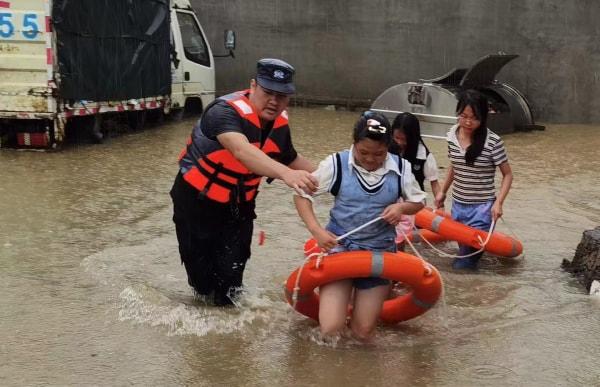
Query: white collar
388,165
451,137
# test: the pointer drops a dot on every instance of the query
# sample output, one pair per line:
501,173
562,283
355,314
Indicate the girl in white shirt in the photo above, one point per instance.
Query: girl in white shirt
408,144
366,181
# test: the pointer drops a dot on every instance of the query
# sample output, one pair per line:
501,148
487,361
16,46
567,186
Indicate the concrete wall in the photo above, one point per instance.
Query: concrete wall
353,50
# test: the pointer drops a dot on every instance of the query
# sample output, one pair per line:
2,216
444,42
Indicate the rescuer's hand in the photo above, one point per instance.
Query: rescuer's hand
300,180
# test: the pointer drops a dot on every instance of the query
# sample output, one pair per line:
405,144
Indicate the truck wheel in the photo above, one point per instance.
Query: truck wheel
177,115
96,134
155,116
193,107
136,119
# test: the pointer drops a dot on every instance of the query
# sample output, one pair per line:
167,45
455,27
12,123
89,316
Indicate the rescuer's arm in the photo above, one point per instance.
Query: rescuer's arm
261,164
301,162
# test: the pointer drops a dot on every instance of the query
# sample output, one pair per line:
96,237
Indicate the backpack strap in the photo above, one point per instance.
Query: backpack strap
337,172
400,168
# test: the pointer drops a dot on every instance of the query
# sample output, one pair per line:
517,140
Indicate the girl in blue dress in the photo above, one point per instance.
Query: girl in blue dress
367,182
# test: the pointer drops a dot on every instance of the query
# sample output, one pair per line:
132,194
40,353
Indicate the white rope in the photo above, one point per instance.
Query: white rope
358,228
410,243
320,256
296,289
444,254
428,267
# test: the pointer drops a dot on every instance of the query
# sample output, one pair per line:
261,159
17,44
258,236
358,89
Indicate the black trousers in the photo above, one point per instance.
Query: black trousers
214,241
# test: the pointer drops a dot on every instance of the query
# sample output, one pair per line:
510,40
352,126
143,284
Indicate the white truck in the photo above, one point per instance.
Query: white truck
65,66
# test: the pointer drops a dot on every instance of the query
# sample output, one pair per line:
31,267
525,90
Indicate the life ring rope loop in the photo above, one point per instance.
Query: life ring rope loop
423,279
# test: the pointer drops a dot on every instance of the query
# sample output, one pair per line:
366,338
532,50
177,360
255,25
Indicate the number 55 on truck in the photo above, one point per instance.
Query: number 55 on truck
66,66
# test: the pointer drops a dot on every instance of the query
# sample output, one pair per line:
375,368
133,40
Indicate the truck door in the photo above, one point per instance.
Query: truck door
196,60
177,96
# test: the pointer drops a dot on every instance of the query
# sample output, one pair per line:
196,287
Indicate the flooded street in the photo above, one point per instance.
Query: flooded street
93,292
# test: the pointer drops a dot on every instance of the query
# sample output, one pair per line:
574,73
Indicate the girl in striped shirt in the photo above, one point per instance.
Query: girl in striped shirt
475,152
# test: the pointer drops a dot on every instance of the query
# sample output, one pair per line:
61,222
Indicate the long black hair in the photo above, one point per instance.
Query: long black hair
479,103
372,125
409,125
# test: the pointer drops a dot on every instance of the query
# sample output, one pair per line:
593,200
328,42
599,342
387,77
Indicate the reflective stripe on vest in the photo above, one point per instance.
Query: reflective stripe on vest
221,177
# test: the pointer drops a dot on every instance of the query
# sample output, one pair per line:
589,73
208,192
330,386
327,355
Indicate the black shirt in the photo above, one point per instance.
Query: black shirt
222,118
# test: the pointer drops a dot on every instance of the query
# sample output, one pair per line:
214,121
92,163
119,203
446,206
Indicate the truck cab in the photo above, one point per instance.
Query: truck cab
192,63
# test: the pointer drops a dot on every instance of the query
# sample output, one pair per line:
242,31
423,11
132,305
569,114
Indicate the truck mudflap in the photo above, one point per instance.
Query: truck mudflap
33,140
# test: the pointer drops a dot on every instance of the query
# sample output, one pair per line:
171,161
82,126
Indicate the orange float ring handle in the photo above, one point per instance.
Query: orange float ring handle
498,244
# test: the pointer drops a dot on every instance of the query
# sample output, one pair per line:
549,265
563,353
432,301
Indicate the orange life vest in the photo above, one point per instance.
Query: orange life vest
214,171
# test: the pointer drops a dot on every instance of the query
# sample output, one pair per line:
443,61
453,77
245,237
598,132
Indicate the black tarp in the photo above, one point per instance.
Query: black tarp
112,49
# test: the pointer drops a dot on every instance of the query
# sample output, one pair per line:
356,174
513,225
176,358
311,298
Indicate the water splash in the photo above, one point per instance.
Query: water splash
144,306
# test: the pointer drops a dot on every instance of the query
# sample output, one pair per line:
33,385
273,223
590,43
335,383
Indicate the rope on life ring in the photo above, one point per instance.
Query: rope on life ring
423,279
493,242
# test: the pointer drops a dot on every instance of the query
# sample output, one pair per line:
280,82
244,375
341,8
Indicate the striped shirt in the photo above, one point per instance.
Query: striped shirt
475,183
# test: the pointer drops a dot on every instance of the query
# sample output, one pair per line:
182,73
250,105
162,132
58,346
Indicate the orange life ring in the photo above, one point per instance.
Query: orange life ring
499,244
424,279
422,233
418,234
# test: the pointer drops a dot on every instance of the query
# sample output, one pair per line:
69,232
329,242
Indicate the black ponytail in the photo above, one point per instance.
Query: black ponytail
478,102
409,125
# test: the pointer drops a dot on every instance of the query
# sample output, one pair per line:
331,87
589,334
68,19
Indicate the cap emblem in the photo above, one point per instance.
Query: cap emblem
278,74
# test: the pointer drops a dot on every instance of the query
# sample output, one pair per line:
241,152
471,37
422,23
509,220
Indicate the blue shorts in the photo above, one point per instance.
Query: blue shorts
369,282
476,215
